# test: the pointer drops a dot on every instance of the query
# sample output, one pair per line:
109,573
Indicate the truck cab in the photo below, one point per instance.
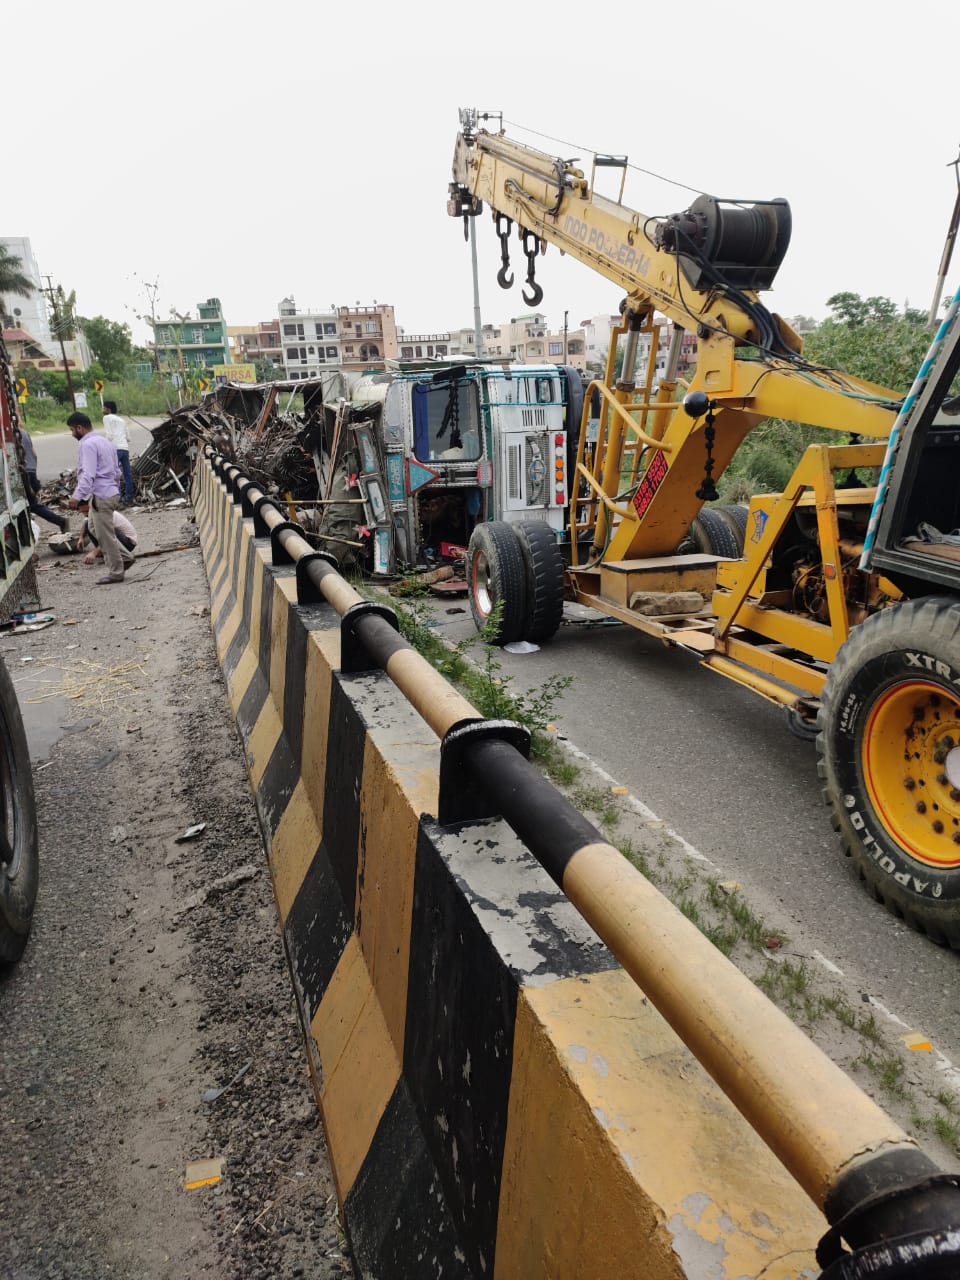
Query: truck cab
439,451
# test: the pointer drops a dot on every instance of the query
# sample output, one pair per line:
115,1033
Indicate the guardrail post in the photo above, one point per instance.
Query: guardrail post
461,799
353,653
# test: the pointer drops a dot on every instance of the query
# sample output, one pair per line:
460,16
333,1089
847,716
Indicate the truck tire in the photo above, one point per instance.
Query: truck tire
496,575
713,536
544,567
735,517
889,748
19,869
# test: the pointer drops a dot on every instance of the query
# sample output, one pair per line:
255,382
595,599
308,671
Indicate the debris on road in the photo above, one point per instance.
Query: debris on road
211,1095
218,887
204,1173
191,833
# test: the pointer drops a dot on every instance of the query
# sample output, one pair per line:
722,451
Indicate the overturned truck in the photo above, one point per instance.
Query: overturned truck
396,469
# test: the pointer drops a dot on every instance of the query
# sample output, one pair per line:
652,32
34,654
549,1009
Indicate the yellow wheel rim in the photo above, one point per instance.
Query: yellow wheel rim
911,764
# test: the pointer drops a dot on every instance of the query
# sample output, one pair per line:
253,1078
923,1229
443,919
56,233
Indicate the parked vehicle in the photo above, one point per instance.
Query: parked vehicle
19,867
837,599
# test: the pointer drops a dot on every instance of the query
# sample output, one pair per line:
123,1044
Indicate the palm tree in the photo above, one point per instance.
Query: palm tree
12,278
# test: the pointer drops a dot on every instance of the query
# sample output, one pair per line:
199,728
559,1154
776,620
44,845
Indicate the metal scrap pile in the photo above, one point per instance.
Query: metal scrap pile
271,430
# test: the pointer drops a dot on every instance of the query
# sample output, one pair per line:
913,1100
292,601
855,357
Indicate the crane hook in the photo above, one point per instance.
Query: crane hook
504,277
531,245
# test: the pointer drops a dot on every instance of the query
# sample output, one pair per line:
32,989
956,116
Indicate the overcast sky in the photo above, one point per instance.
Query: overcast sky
249,151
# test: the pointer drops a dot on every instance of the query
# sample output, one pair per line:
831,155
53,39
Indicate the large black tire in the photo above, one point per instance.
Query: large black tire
713,536
497,575
544,566
19,866
889,749
735,518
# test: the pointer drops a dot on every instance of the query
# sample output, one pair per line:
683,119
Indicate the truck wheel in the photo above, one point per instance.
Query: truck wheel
889,749
713,536
735,517
544,567
496,575
19,872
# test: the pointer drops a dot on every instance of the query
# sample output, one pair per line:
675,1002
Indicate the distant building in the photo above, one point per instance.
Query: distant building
596,338
567,348
688,350
463,342
309,341
423,346
525,338
23,348
183,342
31,316
28,314
368,337
250,343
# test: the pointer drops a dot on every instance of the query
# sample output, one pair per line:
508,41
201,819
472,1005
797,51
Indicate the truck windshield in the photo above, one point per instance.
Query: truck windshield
446,422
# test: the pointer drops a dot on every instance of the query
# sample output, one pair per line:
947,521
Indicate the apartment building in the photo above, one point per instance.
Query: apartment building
368,337
567,347
29,316
250,343
309,340
424,346
184,342
596,339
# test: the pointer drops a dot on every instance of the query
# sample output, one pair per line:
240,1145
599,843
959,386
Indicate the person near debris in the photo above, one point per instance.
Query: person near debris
33,487
115,429
126,536
97,468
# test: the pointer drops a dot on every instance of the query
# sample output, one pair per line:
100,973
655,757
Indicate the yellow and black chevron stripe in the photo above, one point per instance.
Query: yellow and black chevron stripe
500,1098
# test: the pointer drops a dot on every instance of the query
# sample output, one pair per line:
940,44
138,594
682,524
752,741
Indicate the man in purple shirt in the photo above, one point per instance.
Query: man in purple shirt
97,469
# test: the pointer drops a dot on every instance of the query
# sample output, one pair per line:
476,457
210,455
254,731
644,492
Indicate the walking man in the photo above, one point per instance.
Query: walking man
33,487
115,429
97,483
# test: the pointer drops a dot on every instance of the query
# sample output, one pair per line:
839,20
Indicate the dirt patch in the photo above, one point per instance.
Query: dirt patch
156,971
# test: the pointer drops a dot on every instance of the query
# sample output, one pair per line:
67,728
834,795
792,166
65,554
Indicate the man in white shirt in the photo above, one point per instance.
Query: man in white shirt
126,537
115,429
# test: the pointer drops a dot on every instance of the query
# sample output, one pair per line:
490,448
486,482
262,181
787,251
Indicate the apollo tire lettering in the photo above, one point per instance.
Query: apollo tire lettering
889,721
871,835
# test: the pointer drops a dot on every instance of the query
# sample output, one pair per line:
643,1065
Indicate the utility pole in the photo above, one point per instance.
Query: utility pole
948,246
565,315
55,298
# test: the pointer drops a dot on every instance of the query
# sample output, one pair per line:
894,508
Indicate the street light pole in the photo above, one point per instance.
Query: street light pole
947,248
477,327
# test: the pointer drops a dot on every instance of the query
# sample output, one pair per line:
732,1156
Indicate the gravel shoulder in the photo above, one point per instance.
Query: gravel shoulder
155,971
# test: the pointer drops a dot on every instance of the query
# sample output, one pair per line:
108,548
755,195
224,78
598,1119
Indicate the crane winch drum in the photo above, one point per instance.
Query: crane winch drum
728,241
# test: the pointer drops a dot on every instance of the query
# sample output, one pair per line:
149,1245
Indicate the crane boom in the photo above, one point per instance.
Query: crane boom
700,268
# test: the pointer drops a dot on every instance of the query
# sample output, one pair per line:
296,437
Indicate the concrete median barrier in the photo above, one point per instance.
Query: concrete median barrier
500,1098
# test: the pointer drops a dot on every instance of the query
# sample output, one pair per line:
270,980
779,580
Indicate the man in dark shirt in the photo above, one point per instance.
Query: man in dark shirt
33,487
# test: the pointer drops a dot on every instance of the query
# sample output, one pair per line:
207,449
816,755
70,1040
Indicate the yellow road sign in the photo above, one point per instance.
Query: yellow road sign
21,389
98,384
203,384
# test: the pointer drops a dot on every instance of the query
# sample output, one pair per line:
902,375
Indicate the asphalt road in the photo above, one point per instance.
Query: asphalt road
57,450
719,766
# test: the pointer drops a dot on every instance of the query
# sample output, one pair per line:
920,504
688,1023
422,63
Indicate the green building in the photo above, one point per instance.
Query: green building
182,343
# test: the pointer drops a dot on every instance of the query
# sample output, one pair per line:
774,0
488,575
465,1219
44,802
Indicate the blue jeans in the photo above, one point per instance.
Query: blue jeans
124,456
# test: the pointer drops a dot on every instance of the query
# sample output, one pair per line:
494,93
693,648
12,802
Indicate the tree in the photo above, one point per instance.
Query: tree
12,278
110,343
868,337
267,371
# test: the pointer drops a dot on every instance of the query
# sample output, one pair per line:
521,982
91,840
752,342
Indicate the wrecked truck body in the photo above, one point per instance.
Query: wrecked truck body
394,470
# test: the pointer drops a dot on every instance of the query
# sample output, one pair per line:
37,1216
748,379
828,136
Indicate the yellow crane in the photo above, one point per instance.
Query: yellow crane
770,594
